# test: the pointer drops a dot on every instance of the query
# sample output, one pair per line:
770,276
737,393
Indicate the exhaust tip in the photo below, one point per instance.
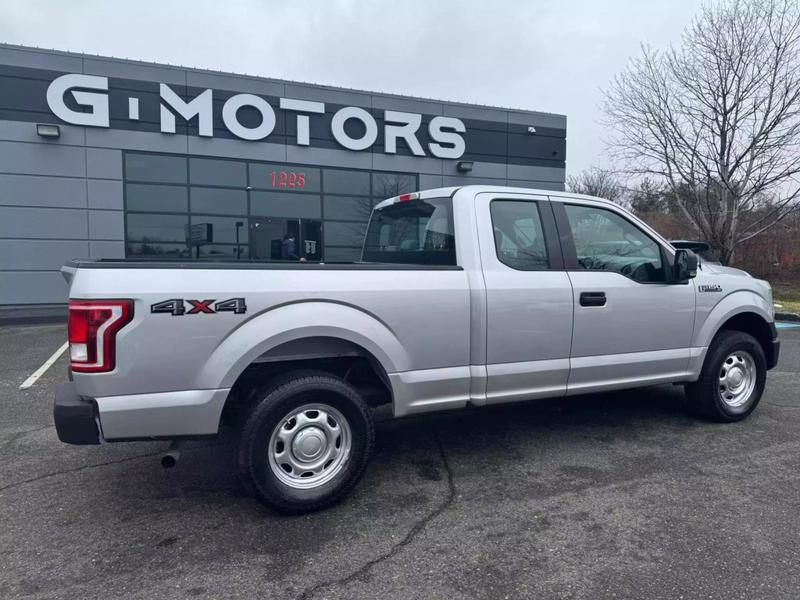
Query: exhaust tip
170,459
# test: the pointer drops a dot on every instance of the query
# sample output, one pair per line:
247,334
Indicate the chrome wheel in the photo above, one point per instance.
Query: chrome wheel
737,378
309,446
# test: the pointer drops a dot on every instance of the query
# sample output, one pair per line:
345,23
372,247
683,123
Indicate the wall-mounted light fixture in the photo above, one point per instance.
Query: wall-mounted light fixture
46,130
532,130
464,166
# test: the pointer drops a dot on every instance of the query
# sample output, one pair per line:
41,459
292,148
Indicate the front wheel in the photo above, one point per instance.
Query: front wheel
732,380
305,443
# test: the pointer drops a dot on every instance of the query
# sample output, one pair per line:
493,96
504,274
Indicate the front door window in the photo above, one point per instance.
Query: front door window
605,241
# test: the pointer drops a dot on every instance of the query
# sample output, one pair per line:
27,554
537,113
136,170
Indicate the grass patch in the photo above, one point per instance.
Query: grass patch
788,306
788,297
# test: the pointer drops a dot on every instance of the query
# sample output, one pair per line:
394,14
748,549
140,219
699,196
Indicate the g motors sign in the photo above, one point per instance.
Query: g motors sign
91,92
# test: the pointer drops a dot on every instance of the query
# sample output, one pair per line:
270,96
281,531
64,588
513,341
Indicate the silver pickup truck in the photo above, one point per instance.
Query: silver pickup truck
464,296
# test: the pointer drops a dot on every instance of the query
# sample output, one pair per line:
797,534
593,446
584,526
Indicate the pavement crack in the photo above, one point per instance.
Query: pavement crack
20,434
102,464
406,540
77,469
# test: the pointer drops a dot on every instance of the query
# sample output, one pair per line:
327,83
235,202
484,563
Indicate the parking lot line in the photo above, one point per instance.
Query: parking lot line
43,369
786,325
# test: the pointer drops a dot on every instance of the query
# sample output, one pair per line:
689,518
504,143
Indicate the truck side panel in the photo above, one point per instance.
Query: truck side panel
410,320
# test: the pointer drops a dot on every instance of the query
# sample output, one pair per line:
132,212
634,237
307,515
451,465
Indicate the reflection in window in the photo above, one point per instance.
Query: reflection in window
285,239
227,252
605,241
208,171
155,167
351,183
156,250
155,198
389,185
342,254
219,201
281,204
156,228
518,236
347,208
224,229
344,234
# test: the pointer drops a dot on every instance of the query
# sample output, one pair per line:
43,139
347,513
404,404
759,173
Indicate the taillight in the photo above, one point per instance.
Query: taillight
92,328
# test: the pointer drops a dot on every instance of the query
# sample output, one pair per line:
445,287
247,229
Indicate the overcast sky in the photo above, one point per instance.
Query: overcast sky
536,54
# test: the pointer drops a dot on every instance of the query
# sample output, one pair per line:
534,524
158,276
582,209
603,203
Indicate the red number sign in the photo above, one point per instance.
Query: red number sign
287,179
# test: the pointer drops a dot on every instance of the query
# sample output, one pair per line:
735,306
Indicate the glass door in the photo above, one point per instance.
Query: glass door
311,239
285,239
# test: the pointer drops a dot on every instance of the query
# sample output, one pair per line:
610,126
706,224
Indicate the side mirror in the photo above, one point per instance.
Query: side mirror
685,267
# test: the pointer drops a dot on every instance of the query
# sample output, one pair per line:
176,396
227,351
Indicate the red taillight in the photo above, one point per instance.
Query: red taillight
407,197
92,328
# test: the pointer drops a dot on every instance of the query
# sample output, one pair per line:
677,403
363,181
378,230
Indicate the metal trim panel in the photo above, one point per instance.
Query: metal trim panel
630,369
429,390
188,412
42,191
548,377
28,158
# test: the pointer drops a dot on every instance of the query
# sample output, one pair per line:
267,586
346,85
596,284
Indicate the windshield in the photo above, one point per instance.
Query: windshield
418,232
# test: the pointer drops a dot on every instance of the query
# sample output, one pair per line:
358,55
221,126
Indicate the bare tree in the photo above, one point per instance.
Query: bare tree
596,182
717,119
649,196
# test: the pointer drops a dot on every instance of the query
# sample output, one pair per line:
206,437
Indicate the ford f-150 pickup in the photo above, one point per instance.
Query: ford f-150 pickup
464,296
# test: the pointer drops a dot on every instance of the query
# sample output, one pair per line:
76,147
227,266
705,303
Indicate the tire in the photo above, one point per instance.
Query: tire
732,380
307,422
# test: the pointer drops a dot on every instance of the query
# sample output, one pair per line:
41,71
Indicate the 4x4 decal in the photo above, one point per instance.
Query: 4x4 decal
177,307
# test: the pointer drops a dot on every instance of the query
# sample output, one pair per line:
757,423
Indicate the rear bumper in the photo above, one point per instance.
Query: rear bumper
161,415
81,420
75,417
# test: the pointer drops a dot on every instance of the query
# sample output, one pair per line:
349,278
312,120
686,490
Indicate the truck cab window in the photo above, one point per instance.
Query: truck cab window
605,241
518,235
416,232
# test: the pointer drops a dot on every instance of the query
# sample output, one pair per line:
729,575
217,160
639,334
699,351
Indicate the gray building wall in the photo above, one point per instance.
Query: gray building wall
63,198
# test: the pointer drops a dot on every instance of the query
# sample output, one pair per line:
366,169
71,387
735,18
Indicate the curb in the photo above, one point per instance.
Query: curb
782,316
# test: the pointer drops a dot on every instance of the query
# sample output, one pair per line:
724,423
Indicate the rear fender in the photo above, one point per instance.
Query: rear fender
295,321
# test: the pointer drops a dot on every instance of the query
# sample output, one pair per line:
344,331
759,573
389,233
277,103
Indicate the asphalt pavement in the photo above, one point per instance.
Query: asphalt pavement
619,495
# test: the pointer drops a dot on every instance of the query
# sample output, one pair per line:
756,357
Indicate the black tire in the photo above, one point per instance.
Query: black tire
704,395
270,407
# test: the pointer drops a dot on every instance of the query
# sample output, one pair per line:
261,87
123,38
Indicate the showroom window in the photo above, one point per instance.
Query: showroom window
198,207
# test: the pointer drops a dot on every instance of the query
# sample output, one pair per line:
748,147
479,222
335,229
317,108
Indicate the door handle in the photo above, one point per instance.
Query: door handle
593,298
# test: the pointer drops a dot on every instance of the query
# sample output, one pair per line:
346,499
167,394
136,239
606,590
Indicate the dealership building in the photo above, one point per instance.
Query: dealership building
109,158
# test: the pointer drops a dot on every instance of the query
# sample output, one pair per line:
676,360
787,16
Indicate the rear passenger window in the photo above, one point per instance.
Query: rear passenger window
518,235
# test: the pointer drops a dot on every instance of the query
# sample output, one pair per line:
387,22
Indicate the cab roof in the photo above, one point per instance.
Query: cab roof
477,189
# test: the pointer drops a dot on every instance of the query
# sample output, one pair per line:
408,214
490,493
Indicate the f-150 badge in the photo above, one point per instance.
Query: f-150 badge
709,288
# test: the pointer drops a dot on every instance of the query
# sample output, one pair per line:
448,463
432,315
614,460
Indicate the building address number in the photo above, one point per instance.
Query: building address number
287,179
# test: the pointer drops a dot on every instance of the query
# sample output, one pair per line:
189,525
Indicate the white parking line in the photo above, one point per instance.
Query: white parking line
43,369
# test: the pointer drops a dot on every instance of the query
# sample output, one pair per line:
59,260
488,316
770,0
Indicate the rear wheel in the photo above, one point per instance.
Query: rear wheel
305,443
732,380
